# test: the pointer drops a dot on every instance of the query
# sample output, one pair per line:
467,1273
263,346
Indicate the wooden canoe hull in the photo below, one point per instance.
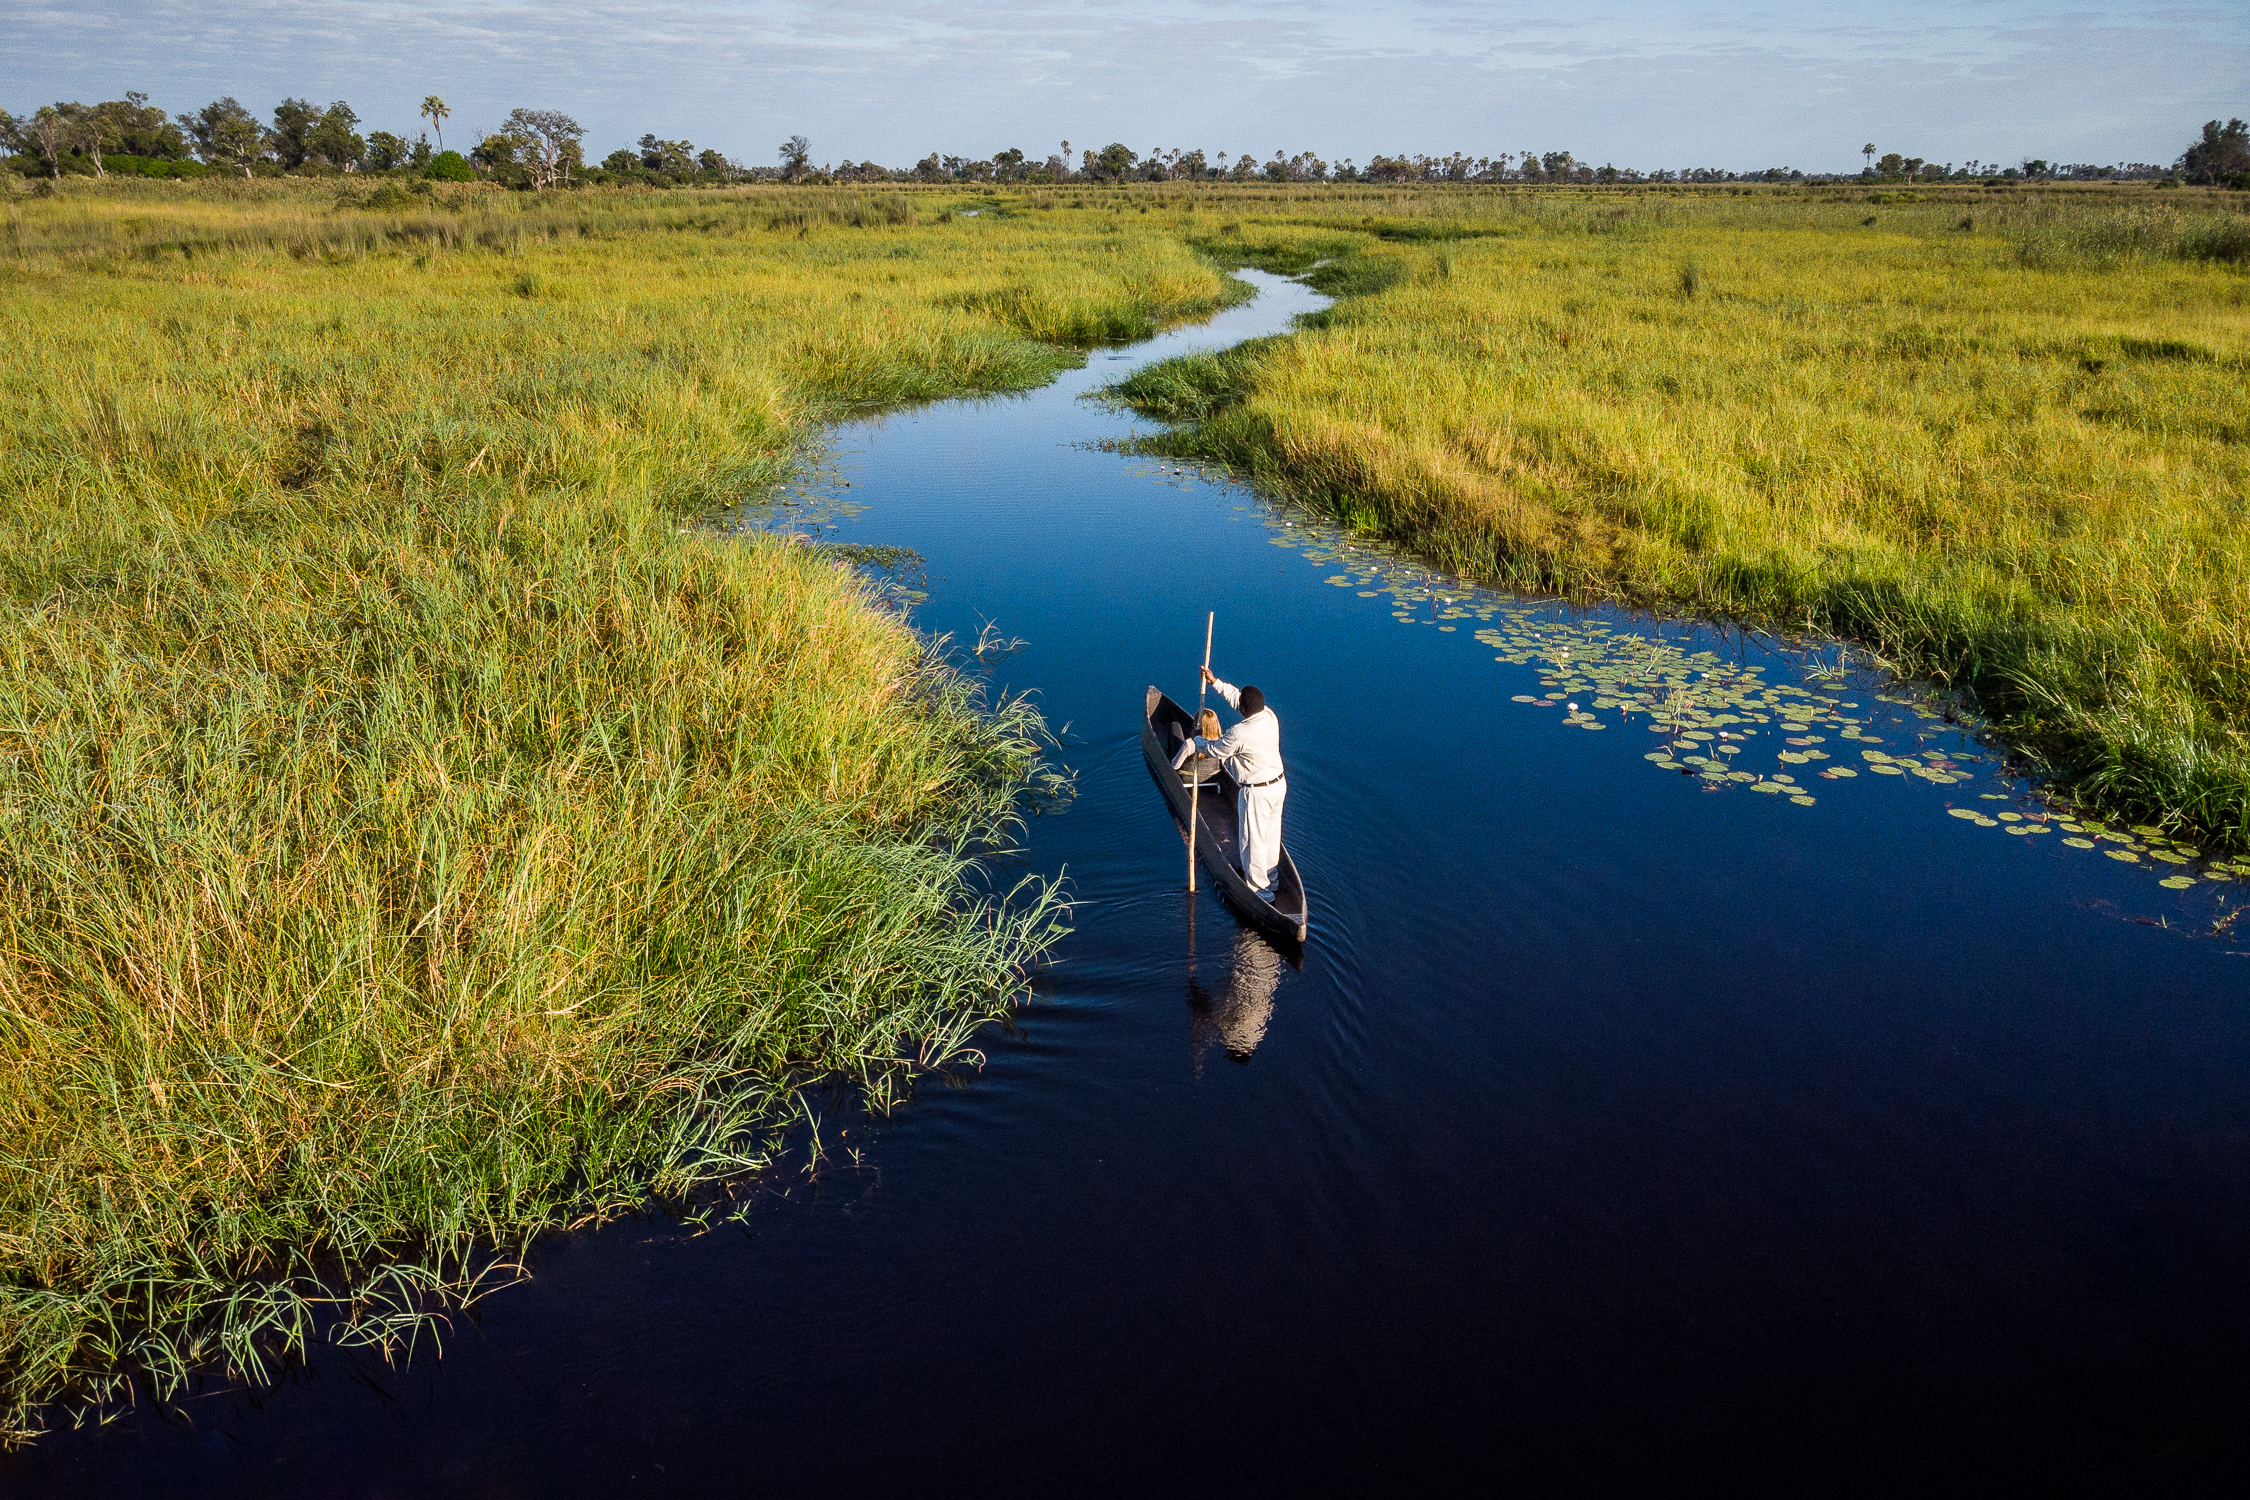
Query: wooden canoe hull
1215,835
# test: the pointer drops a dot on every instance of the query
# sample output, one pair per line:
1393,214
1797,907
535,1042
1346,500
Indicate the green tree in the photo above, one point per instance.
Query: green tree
386,151
496,154
87,132
47,133
796,158
1112,163
334,139
434,111
294,121
546,144
226,135
2221,155
667,156
1868,151
450,166
139,128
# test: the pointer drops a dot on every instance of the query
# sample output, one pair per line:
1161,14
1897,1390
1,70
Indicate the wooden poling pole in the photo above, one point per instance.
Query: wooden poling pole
1195,774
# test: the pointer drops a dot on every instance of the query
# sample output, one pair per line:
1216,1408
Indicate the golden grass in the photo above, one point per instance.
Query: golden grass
411,834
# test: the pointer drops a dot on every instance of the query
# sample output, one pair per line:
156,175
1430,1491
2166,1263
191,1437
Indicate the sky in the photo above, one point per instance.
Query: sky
1641,83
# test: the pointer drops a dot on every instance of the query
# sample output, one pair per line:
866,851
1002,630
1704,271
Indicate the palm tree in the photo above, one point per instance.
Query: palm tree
1868,151
434,110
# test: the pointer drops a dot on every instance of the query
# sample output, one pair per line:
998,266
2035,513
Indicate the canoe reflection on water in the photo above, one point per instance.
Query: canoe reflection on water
1237,1013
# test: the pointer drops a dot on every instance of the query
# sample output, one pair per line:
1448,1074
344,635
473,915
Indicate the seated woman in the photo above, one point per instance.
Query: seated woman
1207,765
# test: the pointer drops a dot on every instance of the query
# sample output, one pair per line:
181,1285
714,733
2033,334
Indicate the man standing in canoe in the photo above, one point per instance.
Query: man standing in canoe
1252,752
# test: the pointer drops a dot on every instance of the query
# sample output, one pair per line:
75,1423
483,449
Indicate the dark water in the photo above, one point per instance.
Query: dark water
1613,1125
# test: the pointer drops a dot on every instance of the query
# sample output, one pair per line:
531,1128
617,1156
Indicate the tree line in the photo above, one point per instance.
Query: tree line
542,148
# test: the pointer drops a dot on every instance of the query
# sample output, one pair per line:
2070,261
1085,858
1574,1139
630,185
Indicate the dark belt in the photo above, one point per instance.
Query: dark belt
1254,785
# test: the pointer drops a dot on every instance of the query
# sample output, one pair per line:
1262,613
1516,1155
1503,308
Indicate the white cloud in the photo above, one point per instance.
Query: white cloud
1656,83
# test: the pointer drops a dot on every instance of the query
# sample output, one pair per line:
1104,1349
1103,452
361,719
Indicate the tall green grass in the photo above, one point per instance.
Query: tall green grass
414,833
2007,447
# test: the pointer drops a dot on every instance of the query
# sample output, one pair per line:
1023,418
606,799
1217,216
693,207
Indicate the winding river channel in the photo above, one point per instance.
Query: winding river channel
1705,1055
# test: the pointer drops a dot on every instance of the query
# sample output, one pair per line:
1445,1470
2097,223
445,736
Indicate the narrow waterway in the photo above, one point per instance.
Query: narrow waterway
1645,1099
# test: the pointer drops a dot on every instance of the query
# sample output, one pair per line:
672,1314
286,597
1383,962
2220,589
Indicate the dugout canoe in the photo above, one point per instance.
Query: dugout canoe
1215,836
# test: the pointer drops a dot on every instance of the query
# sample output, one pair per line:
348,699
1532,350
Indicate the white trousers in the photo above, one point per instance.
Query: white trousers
1257,814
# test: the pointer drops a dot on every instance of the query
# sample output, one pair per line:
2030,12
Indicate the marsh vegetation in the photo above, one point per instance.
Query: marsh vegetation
413,833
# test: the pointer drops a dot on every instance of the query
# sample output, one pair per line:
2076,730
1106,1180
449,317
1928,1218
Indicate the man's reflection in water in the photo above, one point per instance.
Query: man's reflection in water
1237,1018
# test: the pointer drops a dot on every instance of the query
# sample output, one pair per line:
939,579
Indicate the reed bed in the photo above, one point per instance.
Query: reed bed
2002,440
413,834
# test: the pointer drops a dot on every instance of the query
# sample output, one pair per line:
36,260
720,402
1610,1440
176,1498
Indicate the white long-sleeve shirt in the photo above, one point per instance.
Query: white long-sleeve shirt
1252,749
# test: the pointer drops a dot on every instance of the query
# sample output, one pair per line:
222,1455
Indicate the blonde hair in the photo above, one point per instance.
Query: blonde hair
1208,724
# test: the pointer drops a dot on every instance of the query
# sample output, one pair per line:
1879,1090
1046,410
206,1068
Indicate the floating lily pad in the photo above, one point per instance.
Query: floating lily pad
2177,882
2080,843
2126,855
1966,812
1804,801
1886,770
